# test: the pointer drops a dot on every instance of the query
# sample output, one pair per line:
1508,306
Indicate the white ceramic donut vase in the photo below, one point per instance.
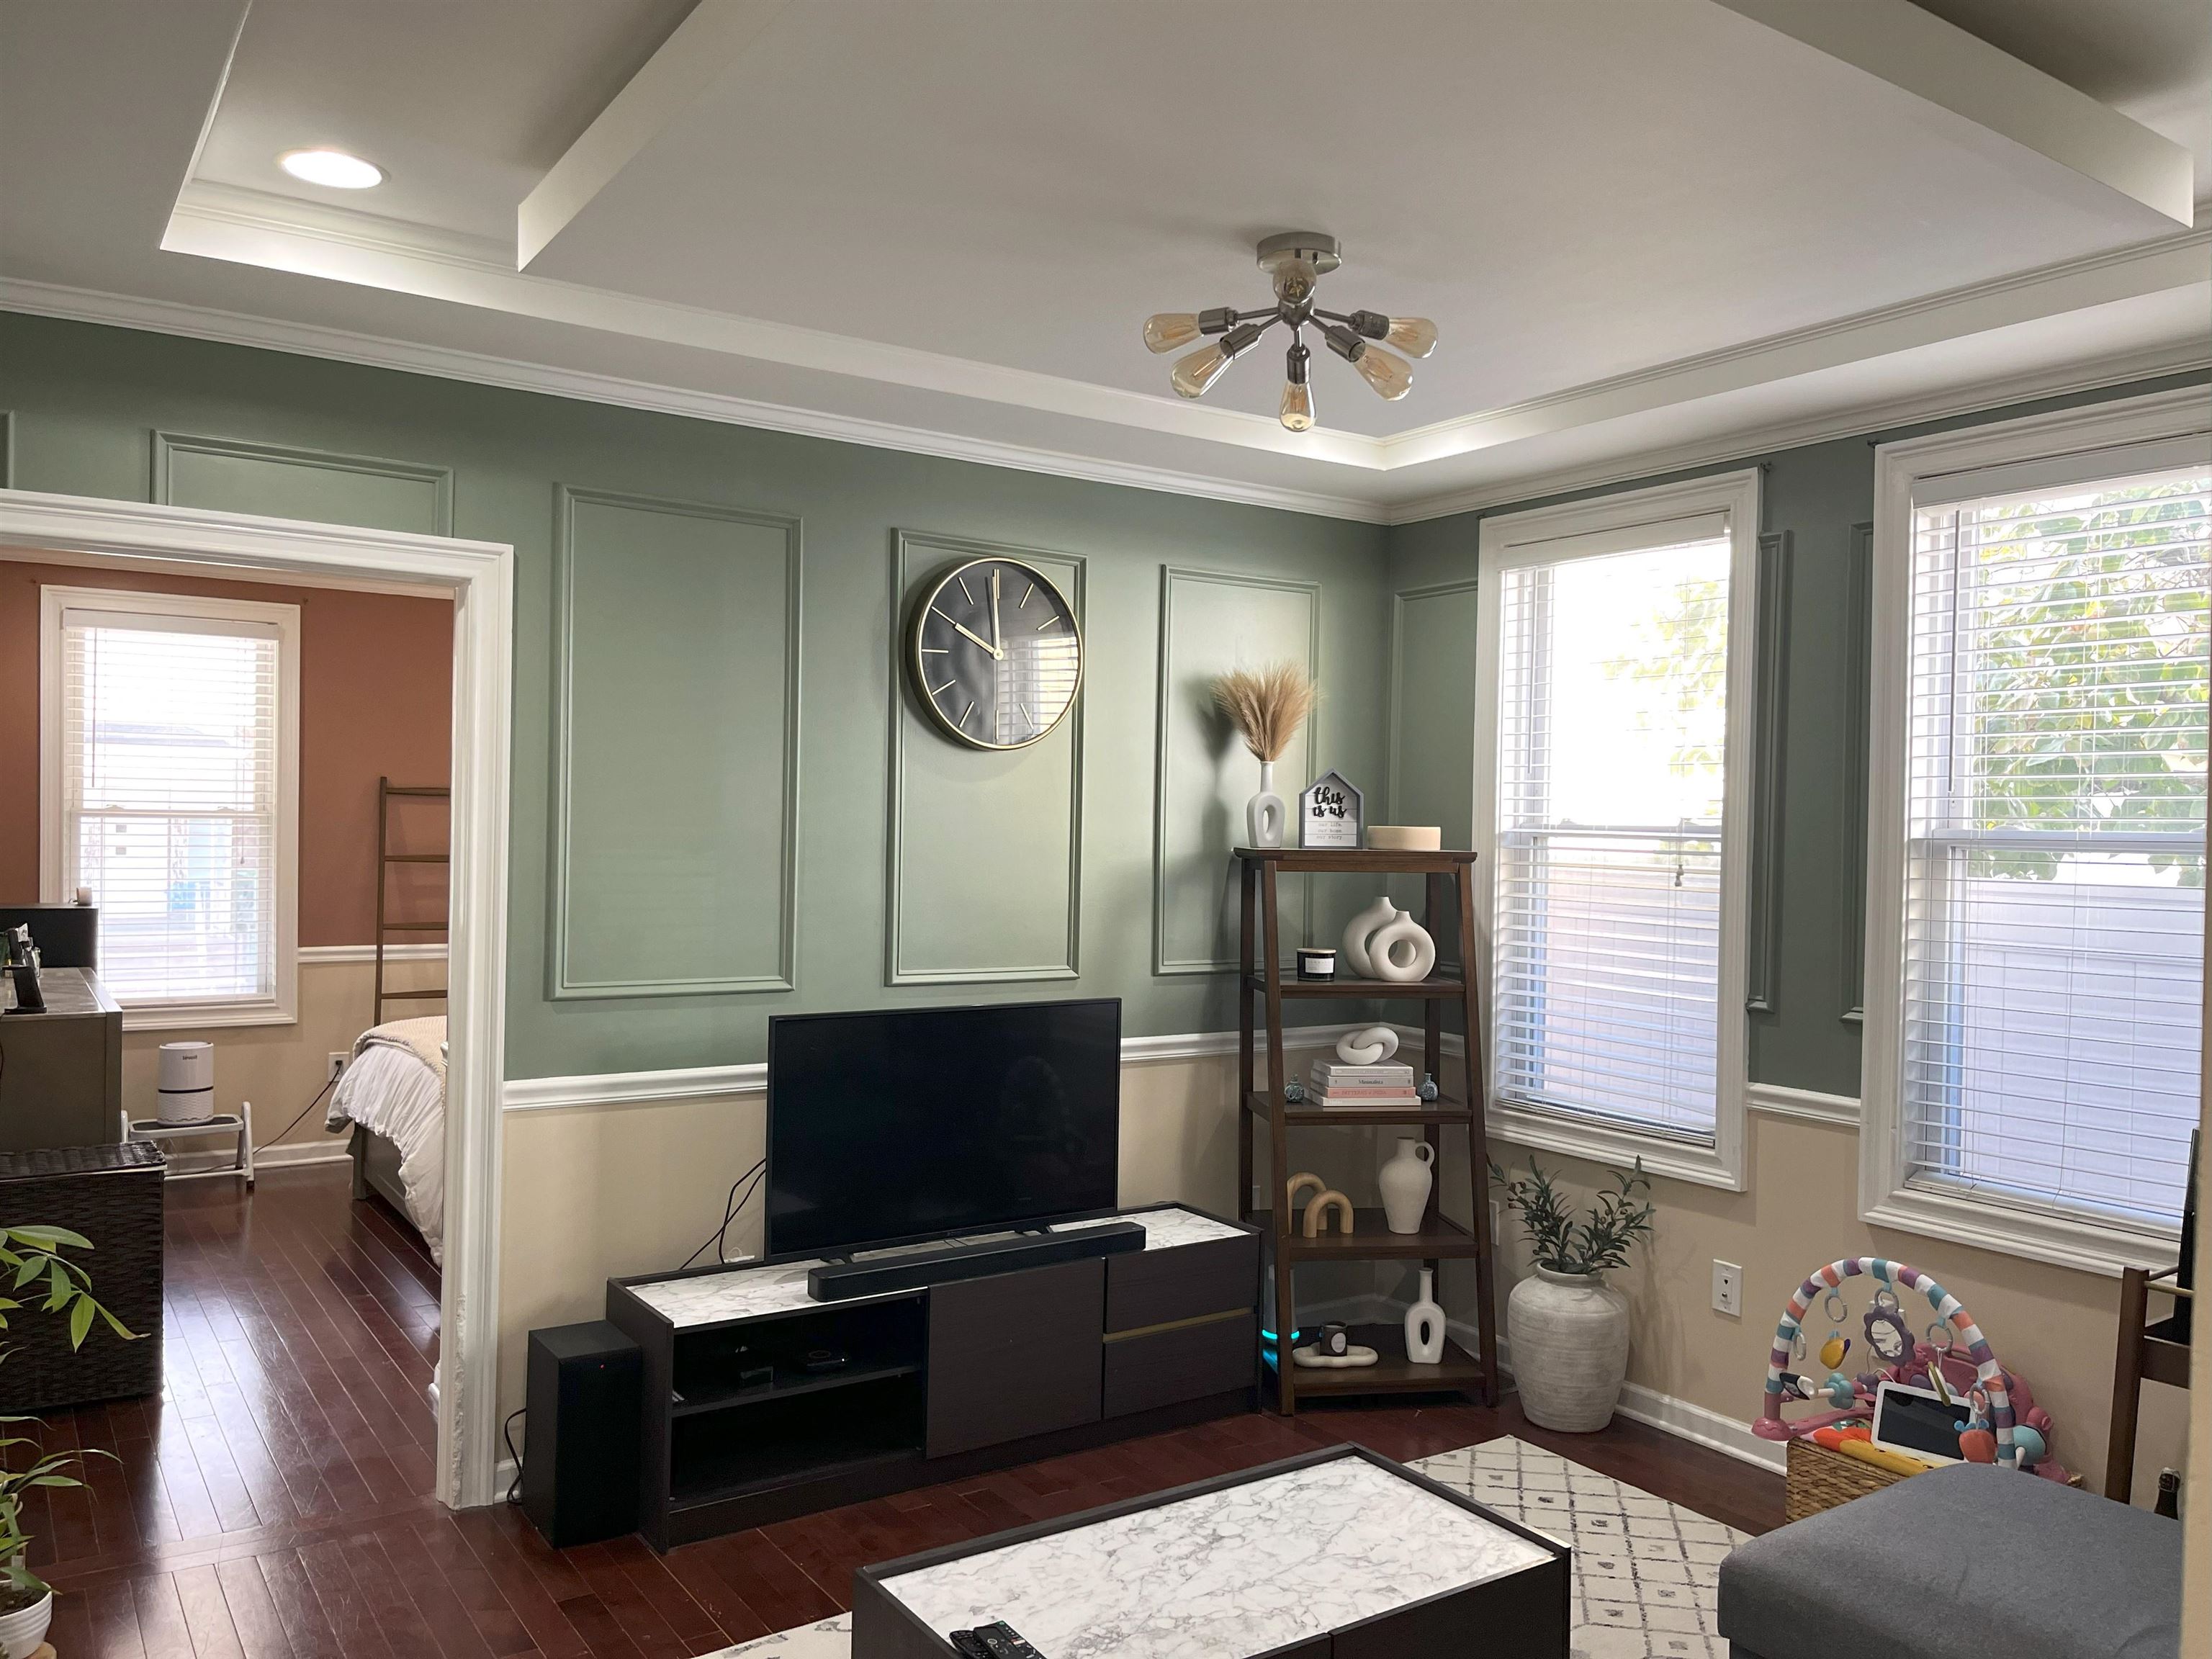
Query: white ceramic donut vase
1369,1048
1376,915
1403,952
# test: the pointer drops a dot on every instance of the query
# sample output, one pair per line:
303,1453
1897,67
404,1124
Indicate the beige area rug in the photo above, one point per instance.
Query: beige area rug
1647,1572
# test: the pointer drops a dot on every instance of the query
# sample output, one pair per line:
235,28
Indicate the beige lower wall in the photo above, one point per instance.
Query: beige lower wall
280,1068
2054,1325
593,1193
598,1192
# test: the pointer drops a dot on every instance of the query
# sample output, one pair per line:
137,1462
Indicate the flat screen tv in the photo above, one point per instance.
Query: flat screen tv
923,1123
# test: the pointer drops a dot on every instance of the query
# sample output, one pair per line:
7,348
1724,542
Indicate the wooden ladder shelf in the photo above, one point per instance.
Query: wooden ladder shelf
386,794
1450,900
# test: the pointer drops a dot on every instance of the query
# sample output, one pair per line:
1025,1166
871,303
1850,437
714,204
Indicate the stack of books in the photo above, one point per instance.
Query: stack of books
1332,1083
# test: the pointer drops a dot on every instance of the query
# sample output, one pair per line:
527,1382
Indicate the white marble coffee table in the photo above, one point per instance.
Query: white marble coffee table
1340,1552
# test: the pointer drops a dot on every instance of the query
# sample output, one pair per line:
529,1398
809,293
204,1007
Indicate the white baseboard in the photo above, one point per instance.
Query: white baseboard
1639,1404
502,1476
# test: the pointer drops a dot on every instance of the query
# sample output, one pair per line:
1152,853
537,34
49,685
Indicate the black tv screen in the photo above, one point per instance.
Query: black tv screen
922,1123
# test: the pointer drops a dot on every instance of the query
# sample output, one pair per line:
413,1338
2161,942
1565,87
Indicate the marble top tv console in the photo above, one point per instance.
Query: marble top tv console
1338,1555
936,1382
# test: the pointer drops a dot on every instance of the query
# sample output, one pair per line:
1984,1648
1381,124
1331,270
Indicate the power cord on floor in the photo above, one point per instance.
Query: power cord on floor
732,1207
304,1110
506,1433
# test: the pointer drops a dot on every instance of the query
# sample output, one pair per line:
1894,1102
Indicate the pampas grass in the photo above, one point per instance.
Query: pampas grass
1267,705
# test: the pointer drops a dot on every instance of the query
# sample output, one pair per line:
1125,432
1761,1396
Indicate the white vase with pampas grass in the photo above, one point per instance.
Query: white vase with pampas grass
1267,705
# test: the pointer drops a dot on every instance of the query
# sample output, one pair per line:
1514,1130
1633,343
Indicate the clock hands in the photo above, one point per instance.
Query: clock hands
963,629
996,638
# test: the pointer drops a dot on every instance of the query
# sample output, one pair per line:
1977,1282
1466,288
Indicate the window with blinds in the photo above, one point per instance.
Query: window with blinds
173,776
1606,910
2054,874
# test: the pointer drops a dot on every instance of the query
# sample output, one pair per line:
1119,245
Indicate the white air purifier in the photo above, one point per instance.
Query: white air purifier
186,1079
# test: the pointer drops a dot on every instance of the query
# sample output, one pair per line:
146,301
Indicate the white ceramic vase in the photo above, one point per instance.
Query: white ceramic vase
1265,815
21,1631
1356,931
1406,1181
1425,1324
1401,950
1570,1338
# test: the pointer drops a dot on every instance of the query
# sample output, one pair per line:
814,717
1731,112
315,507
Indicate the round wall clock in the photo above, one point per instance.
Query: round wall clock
995,654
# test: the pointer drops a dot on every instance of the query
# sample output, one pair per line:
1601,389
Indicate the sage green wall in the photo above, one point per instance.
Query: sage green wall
1820,496
672,538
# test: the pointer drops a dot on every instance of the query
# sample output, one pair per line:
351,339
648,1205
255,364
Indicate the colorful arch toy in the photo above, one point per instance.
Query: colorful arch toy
1770,1424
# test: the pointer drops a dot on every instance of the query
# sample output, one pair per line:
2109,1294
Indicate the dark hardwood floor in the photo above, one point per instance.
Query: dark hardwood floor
273,1504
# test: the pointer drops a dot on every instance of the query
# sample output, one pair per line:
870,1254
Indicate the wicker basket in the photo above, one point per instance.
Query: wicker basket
1820,1479
113,1195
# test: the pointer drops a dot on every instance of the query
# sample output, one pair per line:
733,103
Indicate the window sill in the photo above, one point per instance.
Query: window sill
2087,1246
1616,1145
190,1016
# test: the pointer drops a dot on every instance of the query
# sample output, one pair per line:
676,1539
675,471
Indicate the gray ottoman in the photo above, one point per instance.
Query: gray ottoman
1965,1563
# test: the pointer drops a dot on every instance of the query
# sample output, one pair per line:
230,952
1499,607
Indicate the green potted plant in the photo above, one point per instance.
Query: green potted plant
1567,1326
31,1257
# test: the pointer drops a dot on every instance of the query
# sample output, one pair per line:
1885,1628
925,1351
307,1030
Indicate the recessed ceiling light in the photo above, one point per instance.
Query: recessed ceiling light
332,168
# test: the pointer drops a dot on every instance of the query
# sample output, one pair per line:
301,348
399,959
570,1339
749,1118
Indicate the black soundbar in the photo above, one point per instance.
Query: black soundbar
838,1281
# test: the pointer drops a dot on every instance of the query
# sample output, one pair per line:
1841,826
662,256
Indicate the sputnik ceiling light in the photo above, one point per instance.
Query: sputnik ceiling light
1296,260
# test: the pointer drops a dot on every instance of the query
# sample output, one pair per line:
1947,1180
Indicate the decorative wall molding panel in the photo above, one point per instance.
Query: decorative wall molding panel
983,882
1212,621
7,449
1431,724
1762,964
1851,870
683,691
238,475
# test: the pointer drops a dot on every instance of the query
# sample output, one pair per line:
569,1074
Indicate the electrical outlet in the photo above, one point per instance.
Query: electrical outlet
337,1065
1727,1289
1497,1222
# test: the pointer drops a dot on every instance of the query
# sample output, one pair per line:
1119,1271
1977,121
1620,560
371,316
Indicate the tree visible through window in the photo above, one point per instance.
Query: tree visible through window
2055,868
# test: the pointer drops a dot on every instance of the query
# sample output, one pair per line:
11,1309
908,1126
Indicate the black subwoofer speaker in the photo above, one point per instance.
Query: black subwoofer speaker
580,1452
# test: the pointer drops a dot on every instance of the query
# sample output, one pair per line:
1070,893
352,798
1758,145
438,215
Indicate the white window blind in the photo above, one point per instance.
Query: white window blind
1612,731
2054,874
173,810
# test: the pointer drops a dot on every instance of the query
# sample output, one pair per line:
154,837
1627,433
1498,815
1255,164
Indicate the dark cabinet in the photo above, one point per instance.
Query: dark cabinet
1014,1355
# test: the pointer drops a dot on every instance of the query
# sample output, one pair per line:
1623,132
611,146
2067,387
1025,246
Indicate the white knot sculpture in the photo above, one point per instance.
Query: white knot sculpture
1368,1047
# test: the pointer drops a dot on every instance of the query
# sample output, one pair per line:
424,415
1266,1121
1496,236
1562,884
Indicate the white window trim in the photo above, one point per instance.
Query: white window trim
281,1007
1924,470
1513,539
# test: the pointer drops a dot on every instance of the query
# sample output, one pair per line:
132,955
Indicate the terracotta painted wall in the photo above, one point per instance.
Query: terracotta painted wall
375,699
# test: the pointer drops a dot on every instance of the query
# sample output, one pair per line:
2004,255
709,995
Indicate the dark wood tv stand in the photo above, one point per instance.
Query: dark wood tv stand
938,1383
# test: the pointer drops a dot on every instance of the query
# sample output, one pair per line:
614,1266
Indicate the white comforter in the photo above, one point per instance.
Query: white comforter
396,1088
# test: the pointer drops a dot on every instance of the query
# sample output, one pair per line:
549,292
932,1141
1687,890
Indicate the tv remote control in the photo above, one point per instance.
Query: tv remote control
1004,1642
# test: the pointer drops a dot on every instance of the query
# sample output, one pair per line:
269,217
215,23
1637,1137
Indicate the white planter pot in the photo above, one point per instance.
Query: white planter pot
21,1633
1570,1337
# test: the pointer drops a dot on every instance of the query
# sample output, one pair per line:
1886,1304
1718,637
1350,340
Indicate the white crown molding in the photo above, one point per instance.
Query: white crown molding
261,228
540,1094
253,227
378,351
313,956
1840,1111
1853,421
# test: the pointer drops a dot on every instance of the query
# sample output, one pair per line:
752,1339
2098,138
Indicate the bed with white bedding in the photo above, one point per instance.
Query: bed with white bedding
394,1093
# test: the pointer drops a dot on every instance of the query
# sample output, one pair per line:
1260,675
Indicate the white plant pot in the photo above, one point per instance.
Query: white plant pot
1405,1181
1265,815
1570,1338
21,1631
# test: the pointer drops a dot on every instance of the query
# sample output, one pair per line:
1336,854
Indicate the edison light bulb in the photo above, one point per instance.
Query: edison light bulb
1414,336
1297,406
1192,376
1390,375
1164,331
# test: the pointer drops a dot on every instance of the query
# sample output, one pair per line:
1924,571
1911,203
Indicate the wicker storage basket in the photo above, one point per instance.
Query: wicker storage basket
1820,1479
113,1196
